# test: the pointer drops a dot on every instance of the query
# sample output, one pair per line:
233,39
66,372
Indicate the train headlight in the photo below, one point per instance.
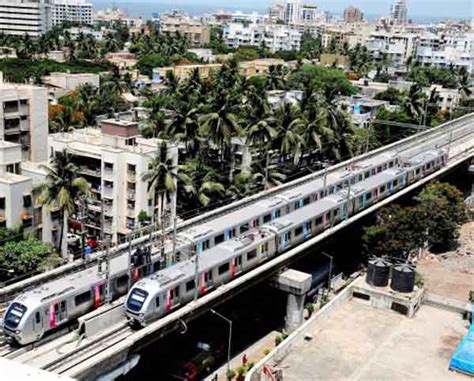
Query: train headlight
17,332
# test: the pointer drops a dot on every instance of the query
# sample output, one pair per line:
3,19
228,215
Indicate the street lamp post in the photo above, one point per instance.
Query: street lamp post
230,336
330,267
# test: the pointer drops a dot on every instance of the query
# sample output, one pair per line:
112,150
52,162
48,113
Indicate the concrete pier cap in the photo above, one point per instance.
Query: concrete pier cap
293,281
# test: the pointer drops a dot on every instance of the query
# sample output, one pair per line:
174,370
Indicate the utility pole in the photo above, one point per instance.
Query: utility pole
107,272
330,268
129,271
173,259
229,345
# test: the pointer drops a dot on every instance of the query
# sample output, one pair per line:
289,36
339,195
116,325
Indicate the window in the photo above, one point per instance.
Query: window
244,228
27,200
190,285
218,239
267,218
318,221
418,171
361,177
174,293
2,202
395,182
205,245
367,174
131,168
251,255
390,165
223,268
157,302
122,281
382,189
82,298
298,231
37,318
306,201
277,213
368,196
297,205
136,299
108,166
14,315
108,184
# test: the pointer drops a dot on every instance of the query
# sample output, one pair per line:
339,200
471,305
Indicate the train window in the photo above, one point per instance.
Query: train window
256,223
174,293
395,182
232,233
335,213
222,269
277,213
244,228
82,298
251,255
321,194
368,196
265,248
267,218
361,199
390,165
190,285
288,209
122,281
297,205
136,299
382,189
14,315
238,263
205,245
157,302
37,318
385,166
156,265
318,221
418,171
218,239
379,169
288,236
361,177
298,231
367,174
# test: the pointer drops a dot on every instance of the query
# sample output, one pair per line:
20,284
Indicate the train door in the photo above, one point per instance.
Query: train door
99,295
236,265
58,313
38,323
172,298
307,229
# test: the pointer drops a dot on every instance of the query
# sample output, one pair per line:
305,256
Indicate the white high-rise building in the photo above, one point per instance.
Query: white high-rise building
292,11
399,12
76,11
20,17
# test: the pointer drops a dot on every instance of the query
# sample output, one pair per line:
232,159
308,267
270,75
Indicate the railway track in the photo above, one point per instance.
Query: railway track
416,142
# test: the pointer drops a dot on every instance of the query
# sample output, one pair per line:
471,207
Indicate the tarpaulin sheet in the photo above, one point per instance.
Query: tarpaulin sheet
463,358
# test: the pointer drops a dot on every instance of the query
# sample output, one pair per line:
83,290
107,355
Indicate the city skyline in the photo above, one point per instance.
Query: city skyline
418,10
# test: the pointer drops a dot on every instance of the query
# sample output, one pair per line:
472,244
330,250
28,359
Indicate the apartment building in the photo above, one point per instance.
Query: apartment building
116,15
18,208
444,50
275,37
20,17
196,33
353,15
24,119
113,159
396,46
77,11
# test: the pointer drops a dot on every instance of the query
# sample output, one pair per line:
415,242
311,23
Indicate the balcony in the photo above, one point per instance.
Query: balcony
95,172
131,195
27,220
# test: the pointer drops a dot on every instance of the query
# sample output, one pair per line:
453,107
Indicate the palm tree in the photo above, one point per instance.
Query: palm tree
289,125
464,84
412,104
199,183
64,121
87,102
267,175
220,124
155,126
62,189
184,125
276,78
161,178
26,47
338,121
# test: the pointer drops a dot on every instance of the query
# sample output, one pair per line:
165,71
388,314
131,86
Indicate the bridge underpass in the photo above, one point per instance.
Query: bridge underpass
128,341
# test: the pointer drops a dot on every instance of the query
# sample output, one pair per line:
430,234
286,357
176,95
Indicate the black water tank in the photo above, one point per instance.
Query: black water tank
403,278
378,272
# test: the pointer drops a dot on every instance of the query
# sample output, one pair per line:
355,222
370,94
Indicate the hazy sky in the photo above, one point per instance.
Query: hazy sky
424,8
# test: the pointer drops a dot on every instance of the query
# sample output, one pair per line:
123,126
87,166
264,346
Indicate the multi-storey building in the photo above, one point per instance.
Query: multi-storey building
76,11
397,47
353,15
275,37
292,11
18,207
196,33
399,12
24,118
445,50
20,17
116,15
113,160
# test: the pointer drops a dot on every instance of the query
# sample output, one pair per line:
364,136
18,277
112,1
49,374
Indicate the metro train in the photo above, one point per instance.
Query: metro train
33,314
163,292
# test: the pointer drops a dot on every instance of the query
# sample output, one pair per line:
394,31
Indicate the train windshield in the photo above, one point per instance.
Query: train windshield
14,315
136,299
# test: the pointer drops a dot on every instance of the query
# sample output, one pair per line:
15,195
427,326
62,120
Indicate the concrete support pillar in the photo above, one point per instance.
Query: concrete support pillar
296,284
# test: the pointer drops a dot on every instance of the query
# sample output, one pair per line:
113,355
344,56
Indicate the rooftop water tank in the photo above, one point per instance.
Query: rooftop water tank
378,272
403,278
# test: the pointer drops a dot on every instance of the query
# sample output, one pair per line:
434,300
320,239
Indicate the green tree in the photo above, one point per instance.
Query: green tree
63,187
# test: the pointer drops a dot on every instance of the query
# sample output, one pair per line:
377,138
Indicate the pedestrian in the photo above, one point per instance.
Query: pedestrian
244,359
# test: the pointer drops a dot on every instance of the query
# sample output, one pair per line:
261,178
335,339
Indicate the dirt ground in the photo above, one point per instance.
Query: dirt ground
451,274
